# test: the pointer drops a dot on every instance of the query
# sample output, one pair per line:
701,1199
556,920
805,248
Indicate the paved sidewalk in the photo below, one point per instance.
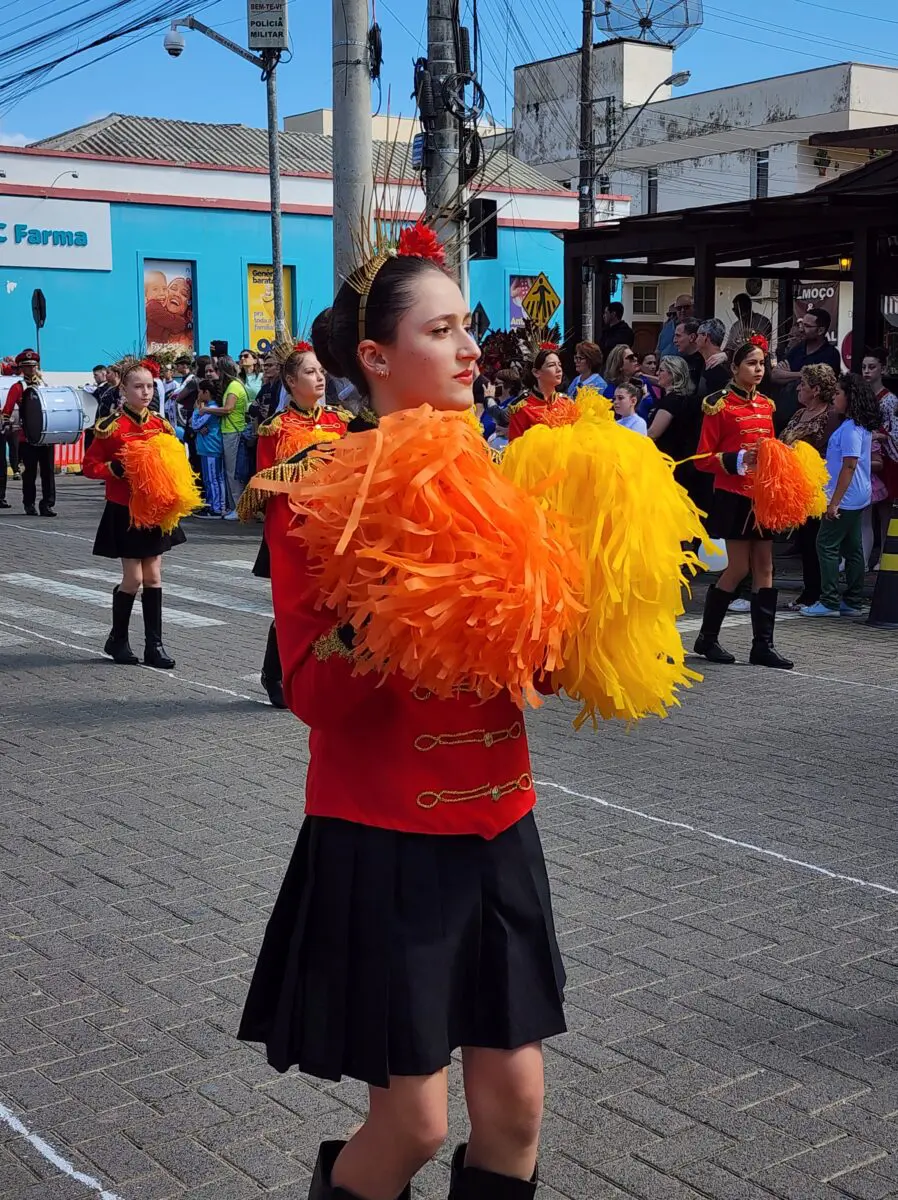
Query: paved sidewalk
725,883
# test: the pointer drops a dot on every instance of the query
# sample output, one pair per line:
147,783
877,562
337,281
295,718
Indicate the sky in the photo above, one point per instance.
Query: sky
737,42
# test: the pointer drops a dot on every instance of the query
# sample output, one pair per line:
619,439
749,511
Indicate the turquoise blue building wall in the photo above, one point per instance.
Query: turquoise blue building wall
96,316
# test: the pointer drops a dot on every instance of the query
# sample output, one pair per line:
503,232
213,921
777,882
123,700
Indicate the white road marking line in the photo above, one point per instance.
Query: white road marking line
52,618
718,837
152,672
238,563
77,537
45,1150
245,579
194,595
98,599
694,624
879,687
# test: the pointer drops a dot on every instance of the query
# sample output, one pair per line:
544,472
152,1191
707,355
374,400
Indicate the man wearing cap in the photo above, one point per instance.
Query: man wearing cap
33,457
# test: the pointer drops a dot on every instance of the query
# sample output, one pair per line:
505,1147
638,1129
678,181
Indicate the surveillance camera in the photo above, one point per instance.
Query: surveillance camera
174,43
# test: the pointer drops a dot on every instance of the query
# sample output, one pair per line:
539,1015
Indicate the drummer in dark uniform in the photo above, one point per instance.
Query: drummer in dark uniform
33,458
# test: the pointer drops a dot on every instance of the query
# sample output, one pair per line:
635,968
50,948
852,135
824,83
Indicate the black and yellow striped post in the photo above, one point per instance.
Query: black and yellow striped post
884,609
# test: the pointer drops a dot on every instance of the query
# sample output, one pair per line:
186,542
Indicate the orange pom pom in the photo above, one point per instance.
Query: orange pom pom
449,573
291,441
163,486
782,492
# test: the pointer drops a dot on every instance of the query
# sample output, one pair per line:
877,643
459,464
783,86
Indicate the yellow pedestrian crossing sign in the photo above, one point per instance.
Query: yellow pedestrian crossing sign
541,302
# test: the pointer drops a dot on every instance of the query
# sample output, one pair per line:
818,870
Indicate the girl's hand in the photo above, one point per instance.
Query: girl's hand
750,460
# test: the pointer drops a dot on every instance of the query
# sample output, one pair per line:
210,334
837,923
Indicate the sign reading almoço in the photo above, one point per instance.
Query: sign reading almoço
57,234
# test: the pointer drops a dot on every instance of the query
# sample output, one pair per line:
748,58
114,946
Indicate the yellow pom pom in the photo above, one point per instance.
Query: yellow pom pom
628,518
163,485
814,469
593,405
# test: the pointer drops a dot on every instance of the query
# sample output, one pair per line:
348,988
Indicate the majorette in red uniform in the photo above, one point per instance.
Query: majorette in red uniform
535,409
117,537
735,421
415,914
278,435
33,458
281,437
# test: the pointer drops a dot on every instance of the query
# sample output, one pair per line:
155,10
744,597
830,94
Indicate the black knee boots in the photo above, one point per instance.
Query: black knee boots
471,1183
272,676
763,619
117,645
323,1189
717,602
154,654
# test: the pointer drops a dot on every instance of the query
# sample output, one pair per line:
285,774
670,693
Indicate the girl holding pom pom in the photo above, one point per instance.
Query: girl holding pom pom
735,421
139,546
415,916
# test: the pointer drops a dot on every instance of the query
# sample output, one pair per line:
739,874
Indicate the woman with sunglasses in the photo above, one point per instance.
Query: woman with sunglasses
622,366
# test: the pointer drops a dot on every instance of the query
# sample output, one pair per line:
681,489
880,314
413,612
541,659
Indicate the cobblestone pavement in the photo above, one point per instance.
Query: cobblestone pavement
726,889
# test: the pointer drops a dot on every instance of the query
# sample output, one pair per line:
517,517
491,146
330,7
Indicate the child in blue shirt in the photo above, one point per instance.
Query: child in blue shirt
849,491
210,448
626,398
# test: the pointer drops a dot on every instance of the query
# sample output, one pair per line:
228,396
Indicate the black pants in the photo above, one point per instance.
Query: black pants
34,457
806,539
2,467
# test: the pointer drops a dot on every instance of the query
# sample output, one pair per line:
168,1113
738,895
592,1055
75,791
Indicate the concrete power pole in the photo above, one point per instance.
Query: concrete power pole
353,174
587,163
443,207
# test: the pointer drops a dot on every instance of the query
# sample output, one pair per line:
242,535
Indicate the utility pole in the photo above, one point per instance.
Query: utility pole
274,174
443,180
353,176
587,164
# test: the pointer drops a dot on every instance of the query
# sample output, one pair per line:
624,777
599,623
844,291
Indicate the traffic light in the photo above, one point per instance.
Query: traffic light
483,229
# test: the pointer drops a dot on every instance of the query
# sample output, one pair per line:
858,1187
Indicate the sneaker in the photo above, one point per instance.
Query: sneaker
819,610
739,606
30,510
231,516
848,610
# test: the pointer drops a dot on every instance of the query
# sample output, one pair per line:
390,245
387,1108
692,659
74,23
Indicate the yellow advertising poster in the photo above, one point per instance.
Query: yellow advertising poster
260,304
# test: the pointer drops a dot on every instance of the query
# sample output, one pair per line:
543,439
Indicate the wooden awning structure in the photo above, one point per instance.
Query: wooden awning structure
846,228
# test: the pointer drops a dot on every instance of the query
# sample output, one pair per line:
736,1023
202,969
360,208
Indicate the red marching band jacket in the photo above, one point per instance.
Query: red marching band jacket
111,435
733,420
276,433
384,752
531,410
13,397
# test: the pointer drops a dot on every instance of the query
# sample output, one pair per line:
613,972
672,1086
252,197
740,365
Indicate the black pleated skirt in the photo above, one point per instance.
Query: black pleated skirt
731,517
117,538
386,951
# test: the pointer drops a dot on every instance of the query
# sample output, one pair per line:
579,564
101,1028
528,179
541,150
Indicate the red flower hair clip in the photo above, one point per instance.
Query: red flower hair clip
420,241
303,347
758,339
150,364
553,346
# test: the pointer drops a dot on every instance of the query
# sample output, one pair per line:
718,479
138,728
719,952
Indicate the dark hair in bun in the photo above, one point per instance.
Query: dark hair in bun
392,294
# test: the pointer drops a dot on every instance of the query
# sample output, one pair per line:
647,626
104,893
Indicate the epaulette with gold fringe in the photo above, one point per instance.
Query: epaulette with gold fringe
343,413
711,406
270,426
106,425
772,403
517,406
256,494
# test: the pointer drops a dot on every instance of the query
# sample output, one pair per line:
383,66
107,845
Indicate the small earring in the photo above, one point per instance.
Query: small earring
383,372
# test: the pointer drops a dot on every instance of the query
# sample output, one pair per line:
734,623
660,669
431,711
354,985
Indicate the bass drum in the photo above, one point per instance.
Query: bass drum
56,416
